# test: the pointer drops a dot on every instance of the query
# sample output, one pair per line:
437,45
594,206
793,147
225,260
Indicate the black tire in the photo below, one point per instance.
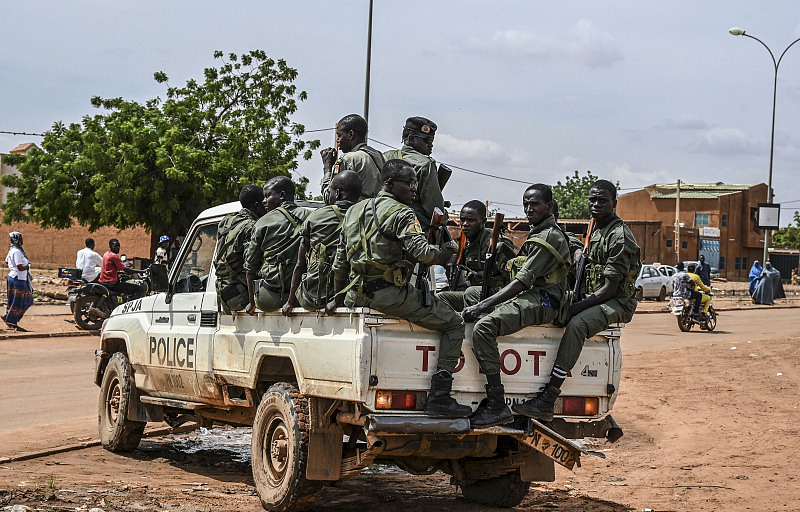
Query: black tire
83,316
281,431
711,323
639,294
684,322
662,294
503,491
117,432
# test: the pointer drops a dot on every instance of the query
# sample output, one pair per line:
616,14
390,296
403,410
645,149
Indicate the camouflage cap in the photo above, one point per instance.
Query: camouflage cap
420,126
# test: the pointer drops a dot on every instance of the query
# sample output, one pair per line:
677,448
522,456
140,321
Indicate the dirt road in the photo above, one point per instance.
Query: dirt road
710,420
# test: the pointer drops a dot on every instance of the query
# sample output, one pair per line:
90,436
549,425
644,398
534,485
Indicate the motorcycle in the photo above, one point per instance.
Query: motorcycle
94,302
682,309
72,280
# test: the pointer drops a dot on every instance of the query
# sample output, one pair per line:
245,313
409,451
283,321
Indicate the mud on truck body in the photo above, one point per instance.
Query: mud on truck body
327,396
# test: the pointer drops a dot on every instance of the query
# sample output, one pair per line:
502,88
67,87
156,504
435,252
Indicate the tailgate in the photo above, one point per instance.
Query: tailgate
404,358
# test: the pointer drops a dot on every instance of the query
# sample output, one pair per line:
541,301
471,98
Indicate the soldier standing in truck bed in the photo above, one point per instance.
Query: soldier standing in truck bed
381,242
357,156
312,280
418,134
613,265
273,247
233,235
533,297
478,238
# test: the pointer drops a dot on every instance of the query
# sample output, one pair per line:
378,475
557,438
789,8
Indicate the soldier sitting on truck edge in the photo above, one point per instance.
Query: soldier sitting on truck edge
380,243
418,134
273,247
613,264
533,297
233,235
575,249
367,162
478,237
312,280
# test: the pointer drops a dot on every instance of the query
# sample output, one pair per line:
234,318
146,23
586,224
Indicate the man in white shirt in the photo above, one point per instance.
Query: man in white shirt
89,262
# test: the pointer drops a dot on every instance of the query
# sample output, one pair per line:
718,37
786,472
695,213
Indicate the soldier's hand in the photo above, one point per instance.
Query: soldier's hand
287,309
250,309
328,156
330,307
471,313
449,249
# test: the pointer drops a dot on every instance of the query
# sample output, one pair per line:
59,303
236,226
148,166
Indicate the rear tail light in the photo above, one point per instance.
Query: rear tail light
400,400
576,406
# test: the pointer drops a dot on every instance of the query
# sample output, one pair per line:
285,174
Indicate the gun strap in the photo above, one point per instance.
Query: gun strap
296,225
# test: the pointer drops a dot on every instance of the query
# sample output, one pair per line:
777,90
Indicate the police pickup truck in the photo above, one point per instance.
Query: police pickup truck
328,396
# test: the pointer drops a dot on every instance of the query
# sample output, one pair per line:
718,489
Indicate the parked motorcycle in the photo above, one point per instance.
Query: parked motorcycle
94,302
72,280
682,309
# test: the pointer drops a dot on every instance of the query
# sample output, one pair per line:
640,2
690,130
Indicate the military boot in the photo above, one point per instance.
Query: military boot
494,412
541,406
439,402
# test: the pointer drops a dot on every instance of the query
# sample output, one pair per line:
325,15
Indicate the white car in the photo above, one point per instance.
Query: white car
651,284
669,272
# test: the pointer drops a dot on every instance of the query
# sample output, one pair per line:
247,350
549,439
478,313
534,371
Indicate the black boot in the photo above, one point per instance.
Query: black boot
495,412
440,403
540,406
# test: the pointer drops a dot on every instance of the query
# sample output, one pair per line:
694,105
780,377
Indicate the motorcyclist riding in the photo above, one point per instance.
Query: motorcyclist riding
112,266
705,298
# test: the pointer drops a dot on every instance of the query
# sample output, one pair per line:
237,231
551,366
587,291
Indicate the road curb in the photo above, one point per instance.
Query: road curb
65,334
90,444
747,308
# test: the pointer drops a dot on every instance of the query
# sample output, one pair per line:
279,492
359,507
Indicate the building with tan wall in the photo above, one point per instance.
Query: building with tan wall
717,219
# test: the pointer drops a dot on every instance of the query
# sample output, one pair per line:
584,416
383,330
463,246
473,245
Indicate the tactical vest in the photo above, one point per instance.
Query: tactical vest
597,254
294,239
557,275
320,262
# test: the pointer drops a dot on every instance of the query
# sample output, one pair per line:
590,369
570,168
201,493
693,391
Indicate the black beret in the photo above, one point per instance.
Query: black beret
420,126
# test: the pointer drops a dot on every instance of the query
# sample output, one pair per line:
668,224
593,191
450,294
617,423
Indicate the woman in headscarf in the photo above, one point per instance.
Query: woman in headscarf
755,273
20,293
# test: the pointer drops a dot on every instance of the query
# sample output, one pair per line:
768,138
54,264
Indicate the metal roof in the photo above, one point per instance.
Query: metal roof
695,190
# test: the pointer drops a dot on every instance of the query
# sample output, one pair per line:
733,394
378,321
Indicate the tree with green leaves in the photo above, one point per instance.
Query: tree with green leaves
159,163
788,236
573,196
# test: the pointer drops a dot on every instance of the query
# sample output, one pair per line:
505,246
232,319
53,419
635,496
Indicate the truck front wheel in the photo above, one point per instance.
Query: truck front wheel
117,432
502,491
281,431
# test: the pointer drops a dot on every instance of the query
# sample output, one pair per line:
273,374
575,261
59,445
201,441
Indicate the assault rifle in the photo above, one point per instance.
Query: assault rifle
577,293
438,225
491,254
458,266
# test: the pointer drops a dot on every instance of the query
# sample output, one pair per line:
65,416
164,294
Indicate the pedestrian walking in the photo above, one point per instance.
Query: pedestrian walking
20,291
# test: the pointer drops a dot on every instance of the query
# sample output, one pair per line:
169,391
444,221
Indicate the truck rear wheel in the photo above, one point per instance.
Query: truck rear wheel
502,491
281,431
117,432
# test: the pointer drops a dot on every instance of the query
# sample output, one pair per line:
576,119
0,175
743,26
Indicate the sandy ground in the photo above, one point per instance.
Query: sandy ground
709,420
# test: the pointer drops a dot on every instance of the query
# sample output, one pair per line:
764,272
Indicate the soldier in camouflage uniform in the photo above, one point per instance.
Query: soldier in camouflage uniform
312,281
381,241
575,250
273,247
418,134
478,237
610,284
367,162
233,235
533,297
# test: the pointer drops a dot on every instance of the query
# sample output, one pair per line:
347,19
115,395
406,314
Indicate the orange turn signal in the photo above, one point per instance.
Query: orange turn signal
399,400
577,406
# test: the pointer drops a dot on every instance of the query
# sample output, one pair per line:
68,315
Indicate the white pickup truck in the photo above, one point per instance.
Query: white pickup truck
327,396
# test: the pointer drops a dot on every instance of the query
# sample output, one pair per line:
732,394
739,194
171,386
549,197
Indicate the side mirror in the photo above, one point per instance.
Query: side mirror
159,277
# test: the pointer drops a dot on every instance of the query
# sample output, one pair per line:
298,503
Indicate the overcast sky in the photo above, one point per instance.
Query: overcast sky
636,91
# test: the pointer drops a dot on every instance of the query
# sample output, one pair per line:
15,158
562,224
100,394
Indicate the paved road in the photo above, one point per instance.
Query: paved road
47,397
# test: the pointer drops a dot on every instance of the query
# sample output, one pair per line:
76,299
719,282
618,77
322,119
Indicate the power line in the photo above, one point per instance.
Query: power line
22,133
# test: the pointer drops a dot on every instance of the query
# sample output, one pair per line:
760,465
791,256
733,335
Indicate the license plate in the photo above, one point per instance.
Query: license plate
552,445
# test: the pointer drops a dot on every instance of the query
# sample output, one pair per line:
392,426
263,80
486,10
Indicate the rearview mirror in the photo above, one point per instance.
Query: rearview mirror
159,277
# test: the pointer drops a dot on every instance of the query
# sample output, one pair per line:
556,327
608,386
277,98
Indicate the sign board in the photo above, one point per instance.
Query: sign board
709,231
768,215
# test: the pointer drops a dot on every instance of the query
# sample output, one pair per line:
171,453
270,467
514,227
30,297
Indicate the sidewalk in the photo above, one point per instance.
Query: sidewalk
45,320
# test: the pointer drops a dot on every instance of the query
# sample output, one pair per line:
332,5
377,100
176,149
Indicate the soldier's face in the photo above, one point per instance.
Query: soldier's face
471,222
404,186
272,199
347,139
422,144
601,204
259,208
536,209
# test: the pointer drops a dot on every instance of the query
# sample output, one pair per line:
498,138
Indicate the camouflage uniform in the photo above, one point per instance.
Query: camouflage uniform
543,270
233,235
320,236
272,254
468,289
365,161
380,259
429,195
614,254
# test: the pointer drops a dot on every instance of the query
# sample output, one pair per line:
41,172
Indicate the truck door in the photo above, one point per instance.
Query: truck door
185,319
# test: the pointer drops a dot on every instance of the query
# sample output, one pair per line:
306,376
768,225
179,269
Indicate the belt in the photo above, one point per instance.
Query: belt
370,287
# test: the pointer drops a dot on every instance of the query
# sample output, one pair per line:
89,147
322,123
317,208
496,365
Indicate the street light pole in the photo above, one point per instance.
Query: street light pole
369,61
736,31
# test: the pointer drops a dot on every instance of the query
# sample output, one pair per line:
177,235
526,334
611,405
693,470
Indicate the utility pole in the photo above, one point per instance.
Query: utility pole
678,222
369,60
